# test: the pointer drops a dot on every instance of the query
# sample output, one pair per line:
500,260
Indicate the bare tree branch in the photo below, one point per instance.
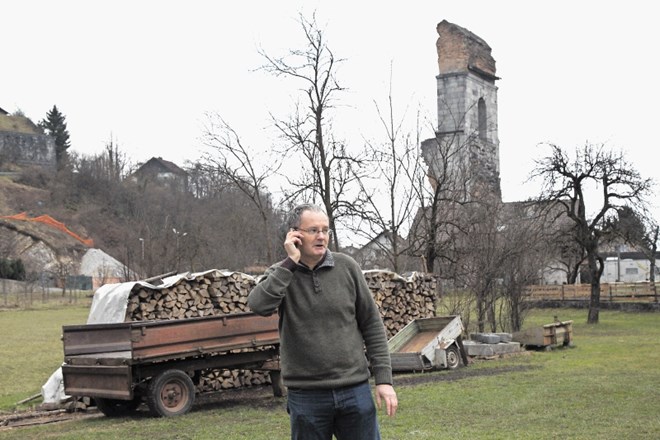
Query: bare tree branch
323,164
237,163
565,183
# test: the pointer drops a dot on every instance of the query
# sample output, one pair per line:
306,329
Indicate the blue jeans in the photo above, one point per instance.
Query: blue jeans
348,412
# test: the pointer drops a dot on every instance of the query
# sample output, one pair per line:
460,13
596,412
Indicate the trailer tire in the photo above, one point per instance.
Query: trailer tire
116,407
453,357
171,393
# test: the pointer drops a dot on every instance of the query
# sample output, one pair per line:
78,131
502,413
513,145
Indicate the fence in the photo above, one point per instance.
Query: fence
26,294
609,292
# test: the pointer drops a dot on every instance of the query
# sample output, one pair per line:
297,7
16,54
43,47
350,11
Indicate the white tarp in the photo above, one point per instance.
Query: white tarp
110,301
109,306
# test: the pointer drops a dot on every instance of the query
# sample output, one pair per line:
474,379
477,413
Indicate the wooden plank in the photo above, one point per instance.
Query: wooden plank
408,362
179,338
614,292
98,381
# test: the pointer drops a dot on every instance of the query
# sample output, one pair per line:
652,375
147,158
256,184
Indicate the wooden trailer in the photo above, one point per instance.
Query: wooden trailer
121,365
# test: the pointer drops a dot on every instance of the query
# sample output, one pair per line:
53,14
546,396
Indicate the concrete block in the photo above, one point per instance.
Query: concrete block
486,338
473,348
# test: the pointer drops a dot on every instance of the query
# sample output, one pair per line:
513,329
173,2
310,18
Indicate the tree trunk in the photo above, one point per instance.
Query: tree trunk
573,274
429,258
481,313
654,250
594,300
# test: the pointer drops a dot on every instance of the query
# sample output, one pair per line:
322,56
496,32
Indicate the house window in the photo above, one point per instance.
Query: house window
483,119
631,271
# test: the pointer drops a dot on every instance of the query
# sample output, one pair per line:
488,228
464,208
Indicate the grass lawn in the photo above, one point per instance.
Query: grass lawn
606,387
31,349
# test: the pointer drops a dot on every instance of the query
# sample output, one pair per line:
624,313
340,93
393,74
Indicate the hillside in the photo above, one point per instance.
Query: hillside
41,246
18,124
151,226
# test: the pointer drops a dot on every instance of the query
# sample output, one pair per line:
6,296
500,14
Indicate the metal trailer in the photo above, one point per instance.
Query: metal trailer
427,344
121,365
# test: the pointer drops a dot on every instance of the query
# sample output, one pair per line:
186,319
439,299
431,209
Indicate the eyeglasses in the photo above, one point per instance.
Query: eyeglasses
315,231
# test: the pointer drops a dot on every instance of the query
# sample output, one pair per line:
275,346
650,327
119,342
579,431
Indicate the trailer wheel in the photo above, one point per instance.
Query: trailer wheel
116,407
171,393
453,357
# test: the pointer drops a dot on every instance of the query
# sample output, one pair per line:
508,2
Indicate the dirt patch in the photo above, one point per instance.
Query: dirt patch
24,419
255,397
458,374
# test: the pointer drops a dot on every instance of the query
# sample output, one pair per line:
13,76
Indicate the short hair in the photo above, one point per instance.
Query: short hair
293,220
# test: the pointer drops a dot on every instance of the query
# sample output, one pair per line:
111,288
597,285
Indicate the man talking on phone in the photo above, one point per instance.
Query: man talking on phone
327,318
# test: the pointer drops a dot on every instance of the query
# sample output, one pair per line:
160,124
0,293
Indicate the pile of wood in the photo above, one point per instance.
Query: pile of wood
205,294
215,292
218,380
402,300
208,293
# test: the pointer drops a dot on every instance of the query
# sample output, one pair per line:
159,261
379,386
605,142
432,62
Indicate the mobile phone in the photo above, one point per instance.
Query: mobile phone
297,243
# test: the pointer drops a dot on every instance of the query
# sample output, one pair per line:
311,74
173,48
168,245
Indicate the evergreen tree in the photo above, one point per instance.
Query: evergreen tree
55,125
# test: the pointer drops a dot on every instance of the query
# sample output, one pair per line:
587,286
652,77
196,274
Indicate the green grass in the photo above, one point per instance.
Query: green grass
31,349
605,387
37,299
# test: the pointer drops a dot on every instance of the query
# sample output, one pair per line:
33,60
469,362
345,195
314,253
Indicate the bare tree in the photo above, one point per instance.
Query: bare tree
649,246
500,249
571,255
236,162
389,185
566,183
62,269
525,241
327,168
479,260
114,161
442,191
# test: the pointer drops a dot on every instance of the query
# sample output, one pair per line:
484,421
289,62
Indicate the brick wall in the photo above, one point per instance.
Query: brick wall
459,48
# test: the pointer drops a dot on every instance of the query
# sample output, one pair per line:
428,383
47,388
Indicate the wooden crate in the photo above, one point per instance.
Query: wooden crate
556,333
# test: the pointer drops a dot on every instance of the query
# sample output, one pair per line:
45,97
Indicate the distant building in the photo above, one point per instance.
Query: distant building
161,172
22,142
377,253
628,267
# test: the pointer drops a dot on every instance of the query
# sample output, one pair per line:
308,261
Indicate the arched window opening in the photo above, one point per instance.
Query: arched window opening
483,119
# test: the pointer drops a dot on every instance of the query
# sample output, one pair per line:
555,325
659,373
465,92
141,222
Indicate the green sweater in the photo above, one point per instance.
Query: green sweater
327,317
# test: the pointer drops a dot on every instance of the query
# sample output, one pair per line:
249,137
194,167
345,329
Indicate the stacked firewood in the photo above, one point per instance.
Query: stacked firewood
209,293
218,380
399,299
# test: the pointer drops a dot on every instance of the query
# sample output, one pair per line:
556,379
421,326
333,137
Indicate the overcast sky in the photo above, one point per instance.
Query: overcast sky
144,73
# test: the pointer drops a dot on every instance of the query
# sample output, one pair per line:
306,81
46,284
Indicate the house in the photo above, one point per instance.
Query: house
161,172
376,254
627,267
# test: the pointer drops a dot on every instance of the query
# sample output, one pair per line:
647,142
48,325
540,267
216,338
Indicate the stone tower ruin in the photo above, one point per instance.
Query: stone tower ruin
466,143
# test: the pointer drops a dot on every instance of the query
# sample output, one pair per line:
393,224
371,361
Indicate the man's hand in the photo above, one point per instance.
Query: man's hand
291,243
386,392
